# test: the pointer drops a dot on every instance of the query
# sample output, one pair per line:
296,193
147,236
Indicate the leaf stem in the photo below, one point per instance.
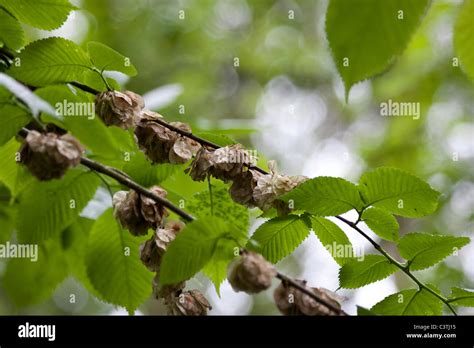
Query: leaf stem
209,185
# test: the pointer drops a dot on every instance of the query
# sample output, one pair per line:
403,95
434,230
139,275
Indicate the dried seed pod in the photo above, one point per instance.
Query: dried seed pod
150,256
162,145
167,292
202,164
230,161
48,156
154,140
152,212
189,303
243,186
251,273
269,187
183,150
309,306
151,252
285,299
138,213
291,301
226,163
121,109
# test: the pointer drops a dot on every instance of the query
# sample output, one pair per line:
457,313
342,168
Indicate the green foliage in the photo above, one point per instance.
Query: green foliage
46,208
28,282
325,196
409,302
463,38
462,297
424,250
226,209
11,33
194,247
398,192
49,61
219,139
147,174
107,59
12,118
43,14
332,238
14,176
363,312
382,223
74,241
357,273
113,264
366,36
6,222
280,236
216,269
222,207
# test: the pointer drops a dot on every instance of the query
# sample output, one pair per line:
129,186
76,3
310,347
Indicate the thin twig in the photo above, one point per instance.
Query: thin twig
404,268
134,186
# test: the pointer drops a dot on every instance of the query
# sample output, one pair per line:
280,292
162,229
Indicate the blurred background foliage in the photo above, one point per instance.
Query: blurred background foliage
260,71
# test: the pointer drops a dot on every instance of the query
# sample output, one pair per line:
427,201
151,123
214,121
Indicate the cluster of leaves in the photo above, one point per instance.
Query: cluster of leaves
105,258
380,195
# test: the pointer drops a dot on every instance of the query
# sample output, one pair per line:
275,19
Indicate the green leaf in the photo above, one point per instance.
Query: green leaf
147,174
279,237
113,264
94,80
47,208
12,119
27,282
11,33
194,247
223,207
6,222
424,250
42,14
462,297
216,269
325,196
363,312
355,274
398,192
107,59
333,239
49,61
15,176
410,302
464,38
366,36
74,241
381,223
219,139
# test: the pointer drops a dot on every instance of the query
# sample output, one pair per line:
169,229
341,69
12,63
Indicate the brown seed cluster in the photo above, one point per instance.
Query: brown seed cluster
49,155
188,303
249,187
121,109
162,145
152,251
291,301
177,301
251,273
137,213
